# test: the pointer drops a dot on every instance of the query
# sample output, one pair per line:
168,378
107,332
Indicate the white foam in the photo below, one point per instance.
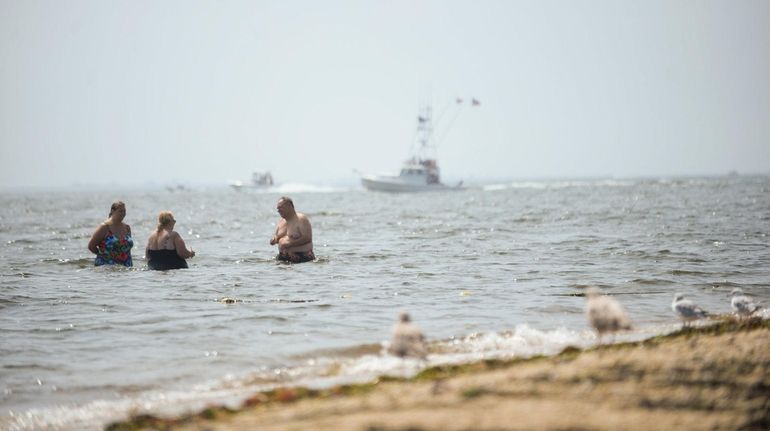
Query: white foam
96,414
524,341
540,185
304,188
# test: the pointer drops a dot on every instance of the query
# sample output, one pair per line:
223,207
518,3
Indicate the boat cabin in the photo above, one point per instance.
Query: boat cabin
423,170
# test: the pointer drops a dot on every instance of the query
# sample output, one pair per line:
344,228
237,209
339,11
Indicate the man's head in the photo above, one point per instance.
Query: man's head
285,206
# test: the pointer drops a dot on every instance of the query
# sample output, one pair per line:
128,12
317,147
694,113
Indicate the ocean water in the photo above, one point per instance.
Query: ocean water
493,271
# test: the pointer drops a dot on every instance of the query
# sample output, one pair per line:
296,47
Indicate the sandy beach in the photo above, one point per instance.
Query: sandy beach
713,377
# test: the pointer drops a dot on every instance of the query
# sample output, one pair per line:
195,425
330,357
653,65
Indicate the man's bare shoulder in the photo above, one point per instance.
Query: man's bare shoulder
302,217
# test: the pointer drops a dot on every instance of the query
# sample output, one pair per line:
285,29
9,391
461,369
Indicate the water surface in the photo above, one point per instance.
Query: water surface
491,271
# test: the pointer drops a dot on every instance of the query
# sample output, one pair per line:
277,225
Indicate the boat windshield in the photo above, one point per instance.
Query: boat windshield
413,171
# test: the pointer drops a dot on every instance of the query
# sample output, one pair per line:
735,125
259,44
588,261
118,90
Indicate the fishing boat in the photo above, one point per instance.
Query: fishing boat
420,173
259,180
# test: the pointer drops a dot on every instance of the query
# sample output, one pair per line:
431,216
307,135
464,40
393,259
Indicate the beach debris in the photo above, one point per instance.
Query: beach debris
227,300
408,340
605,314
742,304
686,309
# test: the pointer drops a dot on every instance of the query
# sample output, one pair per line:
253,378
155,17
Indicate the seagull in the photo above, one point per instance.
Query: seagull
408,340
742,304
605,314
686,309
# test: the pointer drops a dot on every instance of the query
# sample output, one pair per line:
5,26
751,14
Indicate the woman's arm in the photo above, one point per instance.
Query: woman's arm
96,238
149,241
181,248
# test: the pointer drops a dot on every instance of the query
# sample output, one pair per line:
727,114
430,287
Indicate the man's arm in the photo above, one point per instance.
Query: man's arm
274,240
307,230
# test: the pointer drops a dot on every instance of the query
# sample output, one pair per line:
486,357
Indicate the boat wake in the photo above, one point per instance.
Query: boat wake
305,188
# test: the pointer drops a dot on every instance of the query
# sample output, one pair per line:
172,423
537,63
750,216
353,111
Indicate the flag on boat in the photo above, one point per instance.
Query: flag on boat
459,100
475,102
422,119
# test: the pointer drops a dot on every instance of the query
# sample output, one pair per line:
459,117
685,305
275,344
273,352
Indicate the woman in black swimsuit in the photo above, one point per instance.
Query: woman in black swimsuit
165,247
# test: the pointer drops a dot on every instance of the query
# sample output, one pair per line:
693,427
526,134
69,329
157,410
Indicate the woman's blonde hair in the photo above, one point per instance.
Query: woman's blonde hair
165,218
115,205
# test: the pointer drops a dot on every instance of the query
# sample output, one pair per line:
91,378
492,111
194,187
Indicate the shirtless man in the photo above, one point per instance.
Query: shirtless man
293,235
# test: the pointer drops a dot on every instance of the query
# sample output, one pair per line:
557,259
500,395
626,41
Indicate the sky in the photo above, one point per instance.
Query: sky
204,92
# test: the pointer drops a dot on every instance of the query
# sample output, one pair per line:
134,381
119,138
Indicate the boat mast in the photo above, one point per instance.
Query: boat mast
424,146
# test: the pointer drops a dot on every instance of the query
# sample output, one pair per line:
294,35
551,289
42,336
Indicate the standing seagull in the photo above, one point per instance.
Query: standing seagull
742,304
605,314
407,340
686,309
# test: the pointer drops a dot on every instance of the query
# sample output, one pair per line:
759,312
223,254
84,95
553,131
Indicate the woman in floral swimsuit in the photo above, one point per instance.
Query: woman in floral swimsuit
112,242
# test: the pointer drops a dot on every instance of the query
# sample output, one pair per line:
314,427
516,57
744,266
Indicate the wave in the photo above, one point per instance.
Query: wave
230,300
23,241
82,262
287,188
20,274
95,415
690,272
541,185
652,281
724,284
367,361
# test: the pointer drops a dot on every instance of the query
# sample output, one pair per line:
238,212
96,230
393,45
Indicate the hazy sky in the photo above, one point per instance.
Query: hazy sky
131,92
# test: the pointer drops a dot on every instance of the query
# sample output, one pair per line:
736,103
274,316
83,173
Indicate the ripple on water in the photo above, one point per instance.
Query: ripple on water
78,262
652,281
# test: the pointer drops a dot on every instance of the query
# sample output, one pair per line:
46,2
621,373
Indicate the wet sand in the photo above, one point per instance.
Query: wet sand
715,377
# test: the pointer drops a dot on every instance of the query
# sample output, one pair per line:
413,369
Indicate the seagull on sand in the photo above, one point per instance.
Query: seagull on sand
408,340
742,304
686,309
605,314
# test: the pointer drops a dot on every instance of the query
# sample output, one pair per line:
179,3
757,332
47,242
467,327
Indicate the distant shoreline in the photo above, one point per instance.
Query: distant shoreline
712,377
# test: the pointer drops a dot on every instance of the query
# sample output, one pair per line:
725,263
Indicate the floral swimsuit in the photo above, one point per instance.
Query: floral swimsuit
115,251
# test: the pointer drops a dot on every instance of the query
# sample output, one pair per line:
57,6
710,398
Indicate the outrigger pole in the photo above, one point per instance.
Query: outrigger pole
458,101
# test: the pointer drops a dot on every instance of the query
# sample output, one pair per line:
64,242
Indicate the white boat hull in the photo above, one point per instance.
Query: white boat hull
398,185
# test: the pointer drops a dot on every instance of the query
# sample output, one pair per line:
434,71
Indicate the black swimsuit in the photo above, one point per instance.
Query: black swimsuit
164,259
297,256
